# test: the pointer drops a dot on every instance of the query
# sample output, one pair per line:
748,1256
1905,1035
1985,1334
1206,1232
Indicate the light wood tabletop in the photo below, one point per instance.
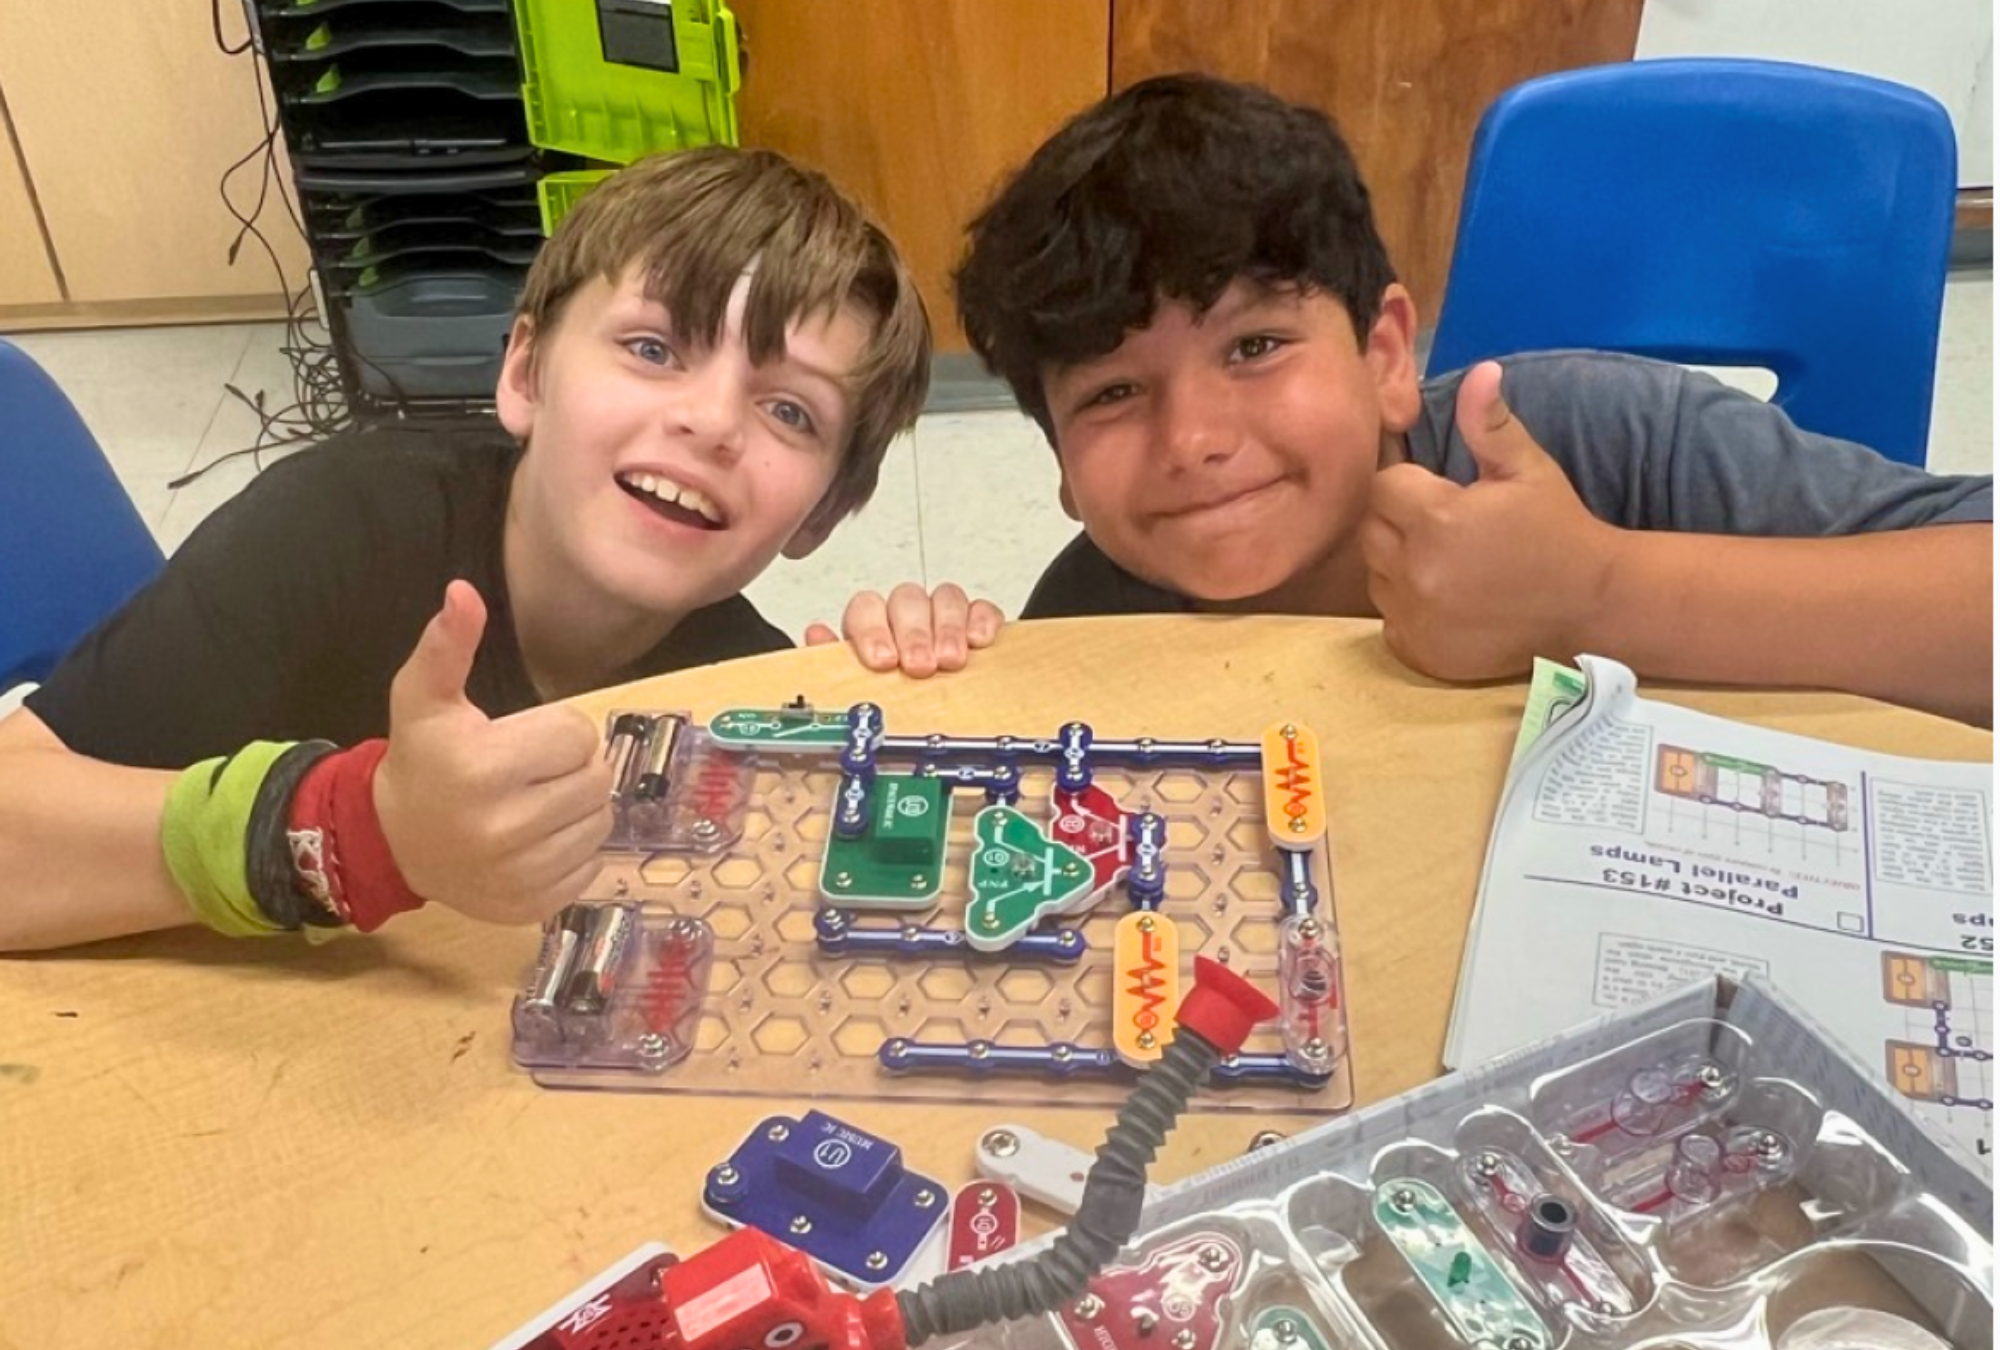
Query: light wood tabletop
215,1143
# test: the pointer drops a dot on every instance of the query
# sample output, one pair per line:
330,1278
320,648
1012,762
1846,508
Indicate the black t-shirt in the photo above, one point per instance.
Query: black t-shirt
288,612
1082,581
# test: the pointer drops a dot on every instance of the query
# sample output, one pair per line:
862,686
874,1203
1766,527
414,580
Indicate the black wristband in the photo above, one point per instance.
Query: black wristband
268,867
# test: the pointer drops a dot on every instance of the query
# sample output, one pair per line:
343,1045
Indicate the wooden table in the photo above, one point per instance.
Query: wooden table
208,1143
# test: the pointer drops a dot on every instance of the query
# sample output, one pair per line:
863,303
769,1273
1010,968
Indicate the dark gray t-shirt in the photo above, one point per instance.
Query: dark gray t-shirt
1648,445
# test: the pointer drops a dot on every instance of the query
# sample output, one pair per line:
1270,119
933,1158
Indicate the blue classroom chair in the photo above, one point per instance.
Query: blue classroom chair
72,546
1722,213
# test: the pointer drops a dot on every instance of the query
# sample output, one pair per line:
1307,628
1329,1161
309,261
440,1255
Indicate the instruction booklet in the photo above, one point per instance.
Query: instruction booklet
1639,846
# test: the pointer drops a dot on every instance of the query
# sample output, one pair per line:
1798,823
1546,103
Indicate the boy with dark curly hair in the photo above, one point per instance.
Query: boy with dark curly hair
1185,288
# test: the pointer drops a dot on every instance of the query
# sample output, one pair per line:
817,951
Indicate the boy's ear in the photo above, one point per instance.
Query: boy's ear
1392,356
1067,498
515,399
1063,494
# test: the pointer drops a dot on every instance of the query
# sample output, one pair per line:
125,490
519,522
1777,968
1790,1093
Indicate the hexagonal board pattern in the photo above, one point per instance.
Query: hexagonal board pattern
785,1020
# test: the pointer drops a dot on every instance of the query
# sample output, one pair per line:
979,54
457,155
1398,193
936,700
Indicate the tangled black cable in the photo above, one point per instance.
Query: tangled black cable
320,407
215,23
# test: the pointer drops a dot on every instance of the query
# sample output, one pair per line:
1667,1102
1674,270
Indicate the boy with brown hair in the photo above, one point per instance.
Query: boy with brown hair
1185,288
710,358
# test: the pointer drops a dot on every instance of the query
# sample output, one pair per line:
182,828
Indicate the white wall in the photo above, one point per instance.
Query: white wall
1943,47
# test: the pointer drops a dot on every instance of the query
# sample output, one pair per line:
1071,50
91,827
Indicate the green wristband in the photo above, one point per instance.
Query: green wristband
203,834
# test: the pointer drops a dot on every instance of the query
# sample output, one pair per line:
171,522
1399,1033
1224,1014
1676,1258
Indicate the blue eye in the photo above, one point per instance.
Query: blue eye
793,415
650,350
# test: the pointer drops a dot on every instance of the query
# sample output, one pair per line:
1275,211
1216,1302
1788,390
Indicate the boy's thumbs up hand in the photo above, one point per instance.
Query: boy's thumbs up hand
1474,582
1500,445
499,819
431,685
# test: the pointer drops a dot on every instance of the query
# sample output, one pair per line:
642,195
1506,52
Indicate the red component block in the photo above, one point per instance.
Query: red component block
751,1292
626,1312
985,1220
746,1292
1170,1298
1091,823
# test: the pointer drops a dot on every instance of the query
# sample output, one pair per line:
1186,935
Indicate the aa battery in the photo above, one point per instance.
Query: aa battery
560,947
588,989
656,757
621,749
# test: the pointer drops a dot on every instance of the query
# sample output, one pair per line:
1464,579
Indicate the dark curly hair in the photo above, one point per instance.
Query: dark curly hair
1170,190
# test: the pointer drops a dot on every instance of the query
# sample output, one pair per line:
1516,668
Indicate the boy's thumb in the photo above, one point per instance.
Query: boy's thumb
1500,445
434,677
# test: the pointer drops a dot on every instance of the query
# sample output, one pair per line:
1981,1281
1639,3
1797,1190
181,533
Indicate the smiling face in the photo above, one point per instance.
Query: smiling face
662,475
1228,456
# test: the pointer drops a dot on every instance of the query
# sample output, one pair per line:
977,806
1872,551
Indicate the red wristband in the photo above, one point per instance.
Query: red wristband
339,851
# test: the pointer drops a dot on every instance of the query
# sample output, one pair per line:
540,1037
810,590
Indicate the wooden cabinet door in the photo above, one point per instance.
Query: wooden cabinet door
917,107
1405,80
127,114
27,277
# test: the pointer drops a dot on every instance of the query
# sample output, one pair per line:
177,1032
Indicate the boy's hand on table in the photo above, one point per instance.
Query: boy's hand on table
1474,582
498,819
921,632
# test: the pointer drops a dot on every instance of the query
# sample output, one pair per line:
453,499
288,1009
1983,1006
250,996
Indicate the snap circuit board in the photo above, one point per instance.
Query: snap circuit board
799,902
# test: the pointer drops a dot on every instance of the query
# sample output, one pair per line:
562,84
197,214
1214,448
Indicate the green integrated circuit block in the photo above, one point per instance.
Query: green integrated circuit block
1279,1327
1484,1306
778,729
1019,875
898,860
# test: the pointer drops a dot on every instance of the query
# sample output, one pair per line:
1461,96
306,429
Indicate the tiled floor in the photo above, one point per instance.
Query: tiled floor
970,497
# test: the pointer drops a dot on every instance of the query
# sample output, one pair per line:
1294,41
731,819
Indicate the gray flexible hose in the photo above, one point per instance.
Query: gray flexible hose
1113,1194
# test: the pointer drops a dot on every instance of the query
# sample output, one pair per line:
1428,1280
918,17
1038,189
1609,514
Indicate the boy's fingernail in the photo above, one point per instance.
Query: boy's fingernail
881,652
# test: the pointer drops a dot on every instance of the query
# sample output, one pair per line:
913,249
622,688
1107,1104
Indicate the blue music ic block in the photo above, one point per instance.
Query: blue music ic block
838,1194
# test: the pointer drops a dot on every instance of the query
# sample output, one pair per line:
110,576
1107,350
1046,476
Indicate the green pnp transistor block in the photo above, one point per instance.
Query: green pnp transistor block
897,862
1019,877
